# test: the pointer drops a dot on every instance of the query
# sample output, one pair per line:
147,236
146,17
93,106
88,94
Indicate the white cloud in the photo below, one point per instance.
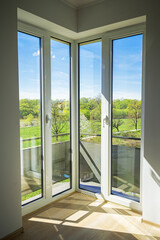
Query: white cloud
63,58
37,53
54,56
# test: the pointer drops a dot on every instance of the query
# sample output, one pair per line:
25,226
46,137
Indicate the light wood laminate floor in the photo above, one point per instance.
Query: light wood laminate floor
81,217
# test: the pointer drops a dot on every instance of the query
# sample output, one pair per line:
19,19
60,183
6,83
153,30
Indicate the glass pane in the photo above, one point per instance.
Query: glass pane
90,116
126,116
60,111
30,117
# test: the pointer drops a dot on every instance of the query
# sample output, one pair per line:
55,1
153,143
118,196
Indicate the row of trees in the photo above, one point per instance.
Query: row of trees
27,107
90,111
91,108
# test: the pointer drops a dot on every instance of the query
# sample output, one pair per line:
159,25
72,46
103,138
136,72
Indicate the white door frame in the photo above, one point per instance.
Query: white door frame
106,113
46,110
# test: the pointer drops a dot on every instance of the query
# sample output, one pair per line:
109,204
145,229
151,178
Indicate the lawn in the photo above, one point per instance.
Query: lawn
127,125
35,131
30,195
39,191
95,127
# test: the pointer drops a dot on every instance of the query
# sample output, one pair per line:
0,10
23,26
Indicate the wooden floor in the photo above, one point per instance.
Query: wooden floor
81,217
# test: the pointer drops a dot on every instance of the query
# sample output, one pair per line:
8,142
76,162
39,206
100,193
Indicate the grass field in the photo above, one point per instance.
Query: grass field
39,191
127,125
30,195
35,131
95,127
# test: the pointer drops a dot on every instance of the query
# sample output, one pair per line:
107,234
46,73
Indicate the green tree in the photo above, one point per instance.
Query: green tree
28,106
116,123
121,103
119,113
84,124
134,112
86,113
30,119
96,111
59,119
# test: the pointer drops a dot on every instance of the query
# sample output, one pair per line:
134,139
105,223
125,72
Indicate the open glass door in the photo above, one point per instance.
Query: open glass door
121,115
126,116
90,116
60,116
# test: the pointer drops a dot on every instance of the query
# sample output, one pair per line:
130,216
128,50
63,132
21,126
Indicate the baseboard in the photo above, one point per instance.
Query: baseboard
13,234
151,223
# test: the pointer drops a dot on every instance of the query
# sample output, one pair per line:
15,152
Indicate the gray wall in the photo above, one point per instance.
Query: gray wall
10,193
107,12
112,11
52,10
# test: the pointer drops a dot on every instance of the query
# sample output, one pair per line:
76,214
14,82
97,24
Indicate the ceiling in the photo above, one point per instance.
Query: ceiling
81,3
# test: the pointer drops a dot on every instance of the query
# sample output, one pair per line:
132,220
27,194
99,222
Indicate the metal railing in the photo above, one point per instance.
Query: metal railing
87,134
113,136
55,135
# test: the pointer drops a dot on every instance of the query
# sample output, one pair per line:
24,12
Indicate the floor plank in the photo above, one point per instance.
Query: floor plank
81,217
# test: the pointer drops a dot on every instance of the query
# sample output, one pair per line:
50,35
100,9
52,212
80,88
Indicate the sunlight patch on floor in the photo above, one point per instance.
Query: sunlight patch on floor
44,220
76,216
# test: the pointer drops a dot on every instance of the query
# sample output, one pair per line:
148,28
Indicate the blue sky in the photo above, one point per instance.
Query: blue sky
29,66
60,80
90,69
127,67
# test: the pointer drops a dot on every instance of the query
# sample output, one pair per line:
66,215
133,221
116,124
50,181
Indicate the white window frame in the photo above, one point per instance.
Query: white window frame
106,108
46,36
87,40
107,38
106,111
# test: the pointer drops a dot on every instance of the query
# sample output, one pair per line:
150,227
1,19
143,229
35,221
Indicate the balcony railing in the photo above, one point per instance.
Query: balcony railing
90,158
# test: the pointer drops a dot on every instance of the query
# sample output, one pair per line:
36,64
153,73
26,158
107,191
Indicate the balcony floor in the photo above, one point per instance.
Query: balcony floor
79,216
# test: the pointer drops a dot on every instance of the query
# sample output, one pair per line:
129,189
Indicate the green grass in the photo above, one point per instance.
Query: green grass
35,131
127,125
96,139
30,195
95,127
126,142
66,180
30,132
39,191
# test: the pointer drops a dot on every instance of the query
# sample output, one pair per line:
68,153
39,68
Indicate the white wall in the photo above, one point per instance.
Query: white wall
10,194
112,11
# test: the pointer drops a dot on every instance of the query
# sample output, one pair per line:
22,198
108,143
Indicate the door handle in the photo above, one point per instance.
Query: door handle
106,121
48,119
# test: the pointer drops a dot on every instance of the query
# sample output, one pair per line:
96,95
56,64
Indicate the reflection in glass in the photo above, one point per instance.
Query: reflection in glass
60,111
126,116
30,117
90,116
